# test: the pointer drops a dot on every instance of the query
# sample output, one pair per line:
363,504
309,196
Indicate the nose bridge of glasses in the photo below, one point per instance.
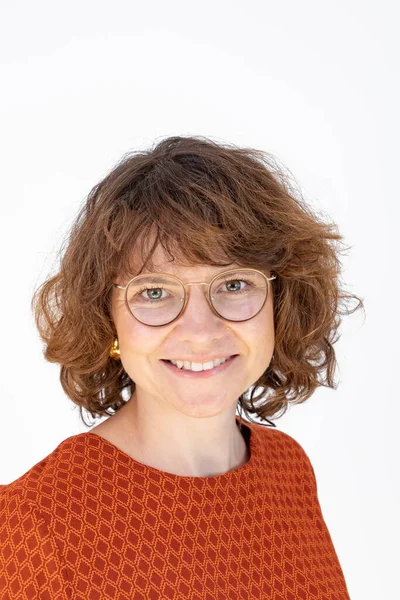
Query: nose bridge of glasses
195,283
202,283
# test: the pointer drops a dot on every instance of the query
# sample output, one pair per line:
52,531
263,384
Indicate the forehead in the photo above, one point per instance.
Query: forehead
161,262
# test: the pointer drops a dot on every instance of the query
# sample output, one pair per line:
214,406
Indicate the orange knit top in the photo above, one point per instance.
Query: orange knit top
88,522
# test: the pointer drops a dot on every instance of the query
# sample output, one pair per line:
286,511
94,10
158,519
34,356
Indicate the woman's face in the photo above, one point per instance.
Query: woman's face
197,332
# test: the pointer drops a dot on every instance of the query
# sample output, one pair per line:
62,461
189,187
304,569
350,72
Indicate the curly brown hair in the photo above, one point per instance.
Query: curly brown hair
208,203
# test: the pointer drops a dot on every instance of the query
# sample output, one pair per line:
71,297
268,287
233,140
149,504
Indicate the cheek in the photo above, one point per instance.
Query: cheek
262,335
130,333
135,338
137,346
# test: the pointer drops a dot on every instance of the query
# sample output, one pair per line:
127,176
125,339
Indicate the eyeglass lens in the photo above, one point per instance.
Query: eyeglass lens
158,299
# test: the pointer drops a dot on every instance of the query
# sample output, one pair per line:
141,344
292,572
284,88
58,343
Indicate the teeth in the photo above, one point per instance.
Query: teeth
188,366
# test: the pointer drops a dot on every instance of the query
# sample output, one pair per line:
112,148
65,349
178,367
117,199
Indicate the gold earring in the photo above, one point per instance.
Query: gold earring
114,350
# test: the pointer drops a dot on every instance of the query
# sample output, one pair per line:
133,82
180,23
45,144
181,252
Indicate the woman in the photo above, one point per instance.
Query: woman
193,281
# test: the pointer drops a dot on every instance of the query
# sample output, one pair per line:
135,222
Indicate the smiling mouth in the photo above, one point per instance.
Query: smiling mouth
182,364
203,373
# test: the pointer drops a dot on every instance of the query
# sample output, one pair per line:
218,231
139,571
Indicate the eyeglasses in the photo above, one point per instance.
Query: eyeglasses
161,298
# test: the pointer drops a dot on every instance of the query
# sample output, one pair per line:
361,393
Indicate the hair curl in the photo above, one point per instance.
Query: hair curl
207,203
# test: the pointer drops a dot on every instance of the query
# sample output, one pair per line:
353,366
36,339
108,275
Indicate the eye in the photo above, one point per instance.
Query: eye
236,282
151,289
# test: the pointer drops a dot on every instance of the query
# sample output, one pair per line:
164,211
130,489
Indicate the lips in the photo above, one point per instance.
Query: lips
204,361
198,360
187,373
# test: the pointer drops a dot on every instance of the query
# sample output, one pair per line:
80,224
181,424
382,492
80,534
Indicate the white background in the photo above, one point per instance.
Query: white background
316,84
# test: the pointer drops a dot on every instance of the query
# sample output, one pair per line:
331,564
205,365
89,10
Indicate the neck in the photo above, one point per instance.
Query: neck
180,445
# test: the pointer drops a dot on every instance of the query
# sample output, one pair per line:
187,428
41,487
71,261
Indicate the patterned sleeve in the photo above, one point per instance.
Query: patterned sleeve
30,565
323,539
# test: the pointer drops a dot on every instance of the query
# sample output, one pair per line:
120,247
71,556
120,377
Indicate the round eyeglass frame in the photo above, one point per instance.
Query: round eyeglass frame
186,295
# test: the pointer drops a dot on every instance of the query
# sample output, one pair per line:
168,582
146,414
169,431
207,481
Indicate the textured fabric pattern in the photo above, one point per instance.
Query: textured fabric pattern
88,522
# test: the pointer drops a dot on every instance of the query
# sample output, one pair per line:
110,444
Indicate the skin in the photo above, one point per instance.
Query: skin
181,426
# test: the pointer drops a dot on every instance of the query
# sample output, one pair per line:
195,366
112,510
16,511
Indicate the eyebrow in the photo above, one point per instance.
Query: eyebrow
205,277
151,269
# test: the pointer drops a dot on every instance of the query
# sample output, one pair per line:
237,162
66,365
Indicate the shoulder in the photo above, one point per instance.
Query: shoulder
51,473
31,565
282,451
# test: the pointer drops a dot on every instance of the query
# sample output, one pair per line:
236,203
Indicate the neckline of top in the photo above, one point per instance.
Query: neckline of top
136,465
